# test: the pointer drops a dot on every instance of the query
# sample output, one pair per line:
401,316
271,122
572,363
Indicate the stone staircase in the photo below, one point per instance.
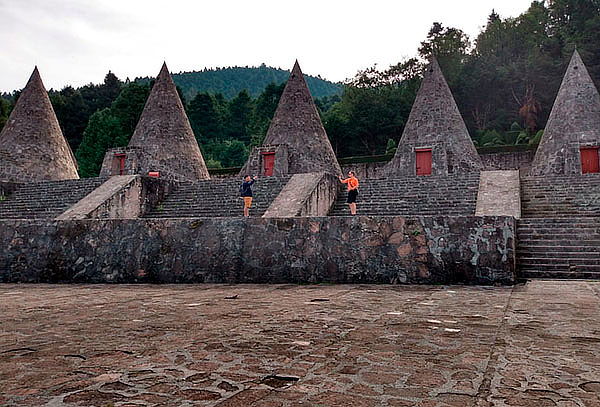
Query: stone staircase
217,198
559,234
46,199
453,195
554,196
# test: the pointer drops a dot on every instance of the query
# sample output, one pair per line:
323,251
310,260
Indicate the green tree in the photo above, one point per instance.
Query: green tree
103,132
5,108
238,119
450,46
205,119
128,106
72,113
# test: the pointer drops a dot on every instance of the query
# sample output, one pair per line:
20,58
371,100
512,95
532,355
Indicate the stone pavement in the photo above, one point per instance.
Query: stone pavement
216,345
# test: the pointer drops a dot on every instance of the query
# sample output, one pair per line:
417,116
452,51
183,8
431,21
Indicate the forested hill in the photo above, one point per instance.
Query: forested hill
230,81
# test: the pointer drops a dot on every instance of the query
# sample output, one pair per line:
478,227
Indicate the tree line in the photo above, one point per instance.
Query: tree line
504,81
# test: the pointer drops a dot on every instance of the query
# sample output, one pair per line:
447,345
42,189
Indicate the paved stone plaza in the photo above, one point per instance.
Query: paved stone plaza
214,345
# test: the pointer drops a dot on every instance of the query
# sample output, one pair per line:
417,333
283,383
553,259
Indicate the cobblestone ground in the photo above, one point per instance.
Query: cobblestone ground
214,345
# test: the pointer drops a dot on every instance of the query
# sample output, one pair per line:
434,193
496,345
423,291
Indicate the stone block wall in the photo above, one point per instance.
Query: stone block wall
254,165
366,170
120,197
514,160
386,249
110,164
310,194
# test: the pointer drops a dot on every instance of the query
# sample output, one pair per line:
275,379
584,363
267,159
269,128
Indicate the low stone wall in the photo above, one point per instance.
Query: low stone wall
507,160
310,194
387,249
120,197
366,170
513,160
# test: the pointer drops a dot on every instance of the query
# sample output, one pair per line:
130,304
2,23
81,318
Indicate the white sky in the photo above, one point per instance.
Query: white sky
77,41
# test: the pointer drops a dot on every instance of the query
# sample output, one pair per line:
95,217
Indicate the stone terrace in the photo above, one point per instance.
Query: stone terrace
286,345
454,195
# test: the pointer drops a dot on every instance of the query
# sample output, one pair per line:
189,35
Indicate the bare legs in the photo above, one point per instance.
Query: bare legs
246,211
352,208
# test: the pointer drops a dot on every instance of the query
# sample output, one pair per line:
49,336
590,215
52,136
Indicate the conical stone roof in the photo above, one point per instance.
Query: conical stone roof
164,137
435,122
32,146
573,122
297,125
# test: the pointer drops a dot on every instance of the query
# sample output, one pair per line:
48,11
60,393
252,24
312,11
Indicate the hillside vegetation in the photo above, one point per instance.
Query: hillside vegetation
230,81
504,81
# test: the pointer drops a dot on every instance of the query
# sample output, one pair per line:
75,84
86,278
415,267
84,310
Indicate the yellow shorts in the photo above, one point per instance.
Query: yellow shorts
247,201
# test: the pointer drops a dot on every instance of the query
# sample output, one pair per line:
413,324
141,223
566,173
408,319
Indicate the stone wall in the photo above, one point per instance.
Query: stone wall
511,160
386,249
120,197
111,164
366,170
310,194
254,165
514,160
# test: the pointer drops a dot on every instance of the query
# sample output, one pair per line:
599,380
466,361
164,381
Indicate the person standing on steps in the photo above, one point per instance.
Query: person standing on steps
352,183
246,193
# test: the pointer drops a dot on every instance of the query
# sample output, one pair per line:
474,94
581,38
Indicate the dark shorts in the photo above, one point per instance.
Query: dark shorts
352,194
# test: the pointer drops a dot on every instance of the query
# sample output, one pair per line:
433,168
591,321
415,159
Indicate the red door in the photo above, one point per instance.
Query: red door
120,167
589,160
423,161
268,163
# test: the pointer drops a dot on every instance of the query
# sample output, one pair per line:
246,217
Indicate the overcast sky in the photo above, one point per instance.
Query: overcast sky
77,41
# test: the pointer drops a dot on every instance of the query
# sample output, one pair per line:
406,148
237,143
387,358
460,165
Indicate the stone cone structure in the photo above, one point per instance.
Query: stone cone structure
573,123
297,125
435,122
32,146
164,137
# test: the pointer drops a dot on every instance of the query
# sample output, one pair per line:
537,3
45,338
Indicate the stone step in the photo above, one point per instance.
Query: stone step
46,199
572,251
553,262
567,275
217,198
420,196
558,221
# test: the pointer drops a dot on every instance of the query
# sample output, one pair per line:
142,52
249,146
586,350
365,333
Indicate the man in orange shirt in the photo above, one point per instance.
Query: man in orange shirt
352,183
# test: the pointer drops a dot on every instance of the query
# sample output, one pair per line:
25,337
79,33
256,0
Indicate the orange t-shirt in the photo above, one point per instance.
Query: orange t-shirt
352,183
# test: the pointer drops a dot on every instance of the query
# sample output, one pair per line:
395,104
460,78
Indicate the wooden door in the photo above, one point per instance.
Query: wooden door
590,162
268,163
119,164
423,160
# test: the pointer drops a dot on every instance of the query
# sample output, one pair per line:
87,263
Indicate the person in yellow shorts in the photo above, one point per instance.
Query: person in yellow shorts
352,183
246,193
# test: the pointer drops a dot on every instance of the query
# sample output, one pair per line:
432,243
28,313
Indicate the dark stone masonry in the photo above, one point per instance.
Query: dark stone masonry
435,123
437,213
32,146
434,250
164,138
297,126
573,123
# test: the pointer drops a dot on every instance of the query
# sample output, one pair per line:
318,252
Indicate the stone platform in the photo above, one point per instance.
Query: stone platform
287,345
